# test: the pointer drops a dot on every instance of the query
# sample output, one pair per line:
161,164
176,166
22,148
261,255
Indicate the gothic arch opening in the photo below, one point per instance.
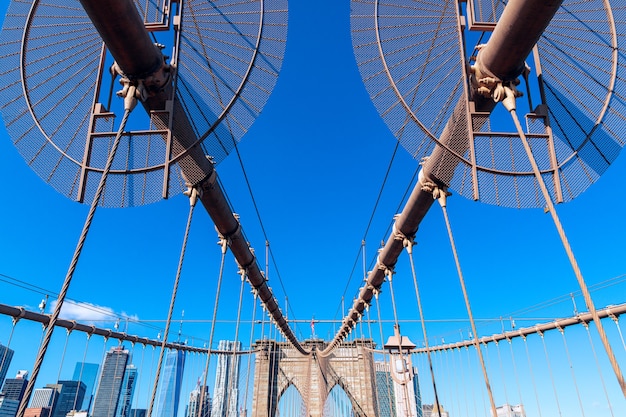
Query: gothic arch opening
291,403
338,403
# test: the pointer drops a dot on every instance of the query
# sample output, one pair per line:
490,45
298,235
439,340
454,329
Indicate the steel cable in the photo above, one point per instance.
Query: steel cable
570,254
168,322
442,202
224,245
49,328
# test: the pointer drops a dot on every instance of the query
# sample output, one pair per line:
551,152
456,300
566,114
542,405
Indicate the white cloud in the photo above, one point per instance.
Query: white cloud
87,313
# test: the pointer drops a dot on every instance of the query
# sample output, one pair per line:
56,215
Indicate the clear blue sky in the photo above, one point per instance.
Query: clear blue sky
316,158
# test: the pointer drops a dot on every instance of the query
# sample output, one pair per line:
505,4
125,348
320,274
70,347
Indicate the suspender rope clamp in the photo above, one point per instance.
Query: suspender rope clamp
193,193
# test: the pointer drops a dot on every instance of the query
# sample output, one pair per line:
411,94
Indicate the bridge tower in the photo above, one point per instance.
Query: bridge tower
279,365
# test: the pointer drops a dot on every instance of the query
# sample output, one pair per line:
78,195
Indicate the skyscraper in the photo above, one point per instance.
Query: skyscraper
126,394
193,407
8,407
171,383
6,355
68,396
110,383
395,399
42,398
87,374
226,389
13,388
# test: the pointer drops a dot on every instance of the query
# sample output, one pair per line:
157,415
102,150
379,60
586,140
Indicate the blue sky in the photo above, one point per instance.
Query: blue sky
315,158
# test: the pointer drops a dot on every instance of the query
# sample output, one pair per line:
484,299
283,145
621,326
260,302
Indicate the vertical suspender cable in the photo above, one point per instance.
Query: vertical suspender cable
409,248
80,374
224,246
568,249
193,198
571,367
545,350
442,202
252,324
129,104
234,362
595,357
532,374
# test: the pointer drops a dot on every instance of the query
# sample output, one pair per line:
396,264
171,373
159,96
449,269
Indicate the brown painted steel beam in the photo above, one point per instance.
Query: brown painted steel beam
122,29
521,25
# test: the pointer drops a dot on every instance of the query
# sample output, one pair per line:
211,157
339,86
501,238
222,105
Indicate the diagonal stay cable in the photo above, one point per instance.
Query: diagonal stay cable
129,104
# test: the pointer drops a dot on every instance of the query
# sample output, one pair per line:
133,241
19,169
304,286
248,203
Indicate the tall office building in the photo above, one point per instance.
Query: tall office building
110,383
193,407
384,390
42,398
395,399
13,388
6,355
68,396
87,374
8,407
128,390
226,389
170,385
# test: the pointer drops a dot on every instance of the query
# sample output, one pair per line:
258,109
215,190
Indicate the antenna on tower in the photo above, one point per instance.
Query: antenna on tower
180,329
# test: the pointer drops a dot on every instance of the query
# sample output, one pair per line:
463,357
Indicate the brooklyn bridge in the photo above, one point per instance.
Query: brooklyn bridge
337,208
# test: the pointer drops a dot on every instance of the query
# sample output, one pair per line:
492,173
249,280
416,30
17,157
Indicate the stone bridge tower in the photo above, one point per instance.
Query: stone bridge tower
278,365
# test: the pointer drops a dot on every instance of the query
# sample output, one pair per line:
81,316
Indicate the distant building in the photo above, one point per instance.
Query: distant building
393,397
6,355
87,373
14,388
171,384
429,410
37,412
193,406
110,383
511,411
75,413
42,398
138,412
384,390
127,392
226,389
8,407
68,396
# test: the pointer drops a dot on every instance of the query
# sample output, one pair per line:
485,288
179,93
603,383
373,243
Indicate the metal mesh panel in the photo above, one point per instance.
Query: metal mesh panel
415,79
419,65
48,124
226,70
230,56
486,11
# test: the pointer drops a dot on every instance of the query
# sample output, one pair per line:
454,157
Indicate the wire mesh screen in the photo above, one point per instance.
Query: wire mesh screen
231,53
55,72
408,55
412,64
46,101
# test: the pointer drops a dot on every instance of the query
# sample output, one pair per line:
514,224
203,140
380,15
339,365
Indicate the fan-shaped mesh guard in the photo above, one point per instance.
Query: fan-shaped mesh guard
411,61
229,58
